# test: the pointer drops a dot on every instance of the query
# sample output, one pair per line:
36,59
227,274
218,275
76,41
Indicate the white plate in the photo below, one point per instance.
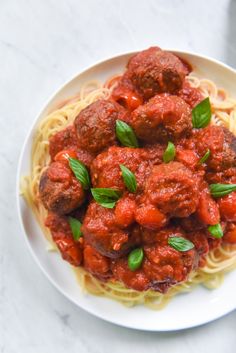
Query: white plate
184,311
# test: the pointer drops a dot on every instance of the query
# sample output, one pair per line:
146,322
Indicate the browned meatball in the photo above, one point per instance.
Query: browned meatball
59,190
102,231
162,266
136,280
95,125
155,71
166,266
154,152
65,139
106,172
226,176
190,223
65,144
173,188
162,118
222,145
190,95
71,250
96,263
200,241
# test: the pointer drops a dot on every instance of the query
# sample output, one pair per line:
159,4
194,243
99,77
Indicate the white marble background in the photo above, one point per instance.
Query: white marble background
43,43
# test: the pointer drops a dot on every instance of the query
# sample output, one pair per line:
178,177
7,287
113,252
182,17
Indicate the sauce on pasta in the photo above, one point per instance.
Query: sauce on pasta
123,179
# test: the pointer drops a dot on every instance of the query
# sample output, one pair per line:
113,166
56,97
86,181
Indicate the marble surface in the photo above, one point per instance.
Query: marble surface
43,43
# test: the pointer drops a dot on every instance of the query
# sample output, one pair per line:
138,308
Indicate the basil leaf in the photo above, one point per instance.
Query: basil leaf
169,153
129,178
201,114
219,190
180,244
135,259
216,231
125,134
75,226
80,172
205,157
106,197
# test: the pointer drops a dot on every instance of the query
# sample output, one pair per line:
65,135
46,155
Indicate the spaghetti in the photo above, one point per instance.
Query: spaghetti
218,262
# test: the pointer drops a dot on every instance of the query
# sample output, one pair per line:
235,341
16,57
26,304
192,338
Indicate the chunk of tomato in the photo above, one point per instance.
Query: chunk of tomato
208,210
227,205
64,155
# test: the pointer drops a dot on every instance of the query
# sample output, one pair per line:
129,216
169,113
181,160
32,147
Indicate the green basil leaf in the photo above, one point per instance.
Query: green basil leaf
75,226
80,172
216,231
135,259
201,114
125,134
180,244
205,157
106,197
129,178
219,190
169,153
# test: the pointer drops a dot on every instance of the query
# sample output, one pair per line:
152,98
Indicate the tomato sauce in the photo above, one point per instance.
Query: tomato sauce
170,201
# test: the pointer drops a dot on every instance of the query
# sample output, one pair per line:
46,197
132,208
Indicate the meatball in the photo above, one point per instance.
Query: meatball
200,241
155,71
160,237
191,222
65,144
102,231
136,280
214,243
106,172
95,125
191,95
162,118
59,190
227,176
85,157
65,139
70,249
155,152
162,266
166,266
96,263
173,188
222,145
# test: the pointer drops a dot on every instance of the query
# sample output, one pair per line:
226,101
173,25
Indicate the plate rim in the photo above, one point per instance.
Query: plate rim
18,196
